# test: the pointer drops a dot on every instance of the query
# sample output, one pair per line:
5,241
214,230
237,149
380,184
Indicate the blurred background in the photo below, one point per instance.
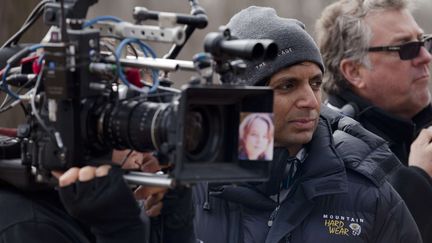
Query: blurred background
14,12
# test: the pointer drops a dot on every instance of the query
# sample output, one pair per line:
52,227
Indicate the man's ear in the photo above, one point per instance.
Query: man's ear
351,71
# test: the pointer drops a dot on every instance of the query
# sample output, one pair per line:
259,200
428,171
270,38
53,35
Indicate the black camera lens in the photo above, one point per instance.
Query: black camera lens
195,131
202,133
140,125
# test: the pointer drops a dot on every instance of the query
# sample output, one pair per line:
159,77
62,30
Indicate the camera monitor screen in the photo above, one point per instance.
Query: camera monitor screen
256,132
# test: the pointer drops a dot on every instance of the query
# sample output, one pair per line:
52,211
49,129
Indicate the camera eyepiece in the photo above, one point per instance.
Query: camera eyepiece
222,46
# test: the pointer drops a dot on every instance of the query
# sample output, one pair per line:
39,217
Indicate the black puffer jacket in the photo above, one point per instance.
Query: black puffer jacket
412,183
37,217
339,196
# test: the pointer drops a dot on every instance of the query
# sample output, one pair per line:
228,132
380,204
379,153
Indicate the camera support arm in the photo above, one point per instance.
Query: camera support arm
13,172
197,19
143,32
158,63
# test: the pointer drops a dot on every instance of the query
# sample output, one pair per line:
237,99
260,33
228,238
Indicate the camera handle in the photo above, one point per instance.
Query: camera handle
20,176
149,179
14,172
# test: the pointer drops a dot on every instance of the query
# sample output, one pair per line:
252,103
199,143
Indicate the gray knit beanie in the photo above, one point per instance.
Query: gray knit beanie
294,43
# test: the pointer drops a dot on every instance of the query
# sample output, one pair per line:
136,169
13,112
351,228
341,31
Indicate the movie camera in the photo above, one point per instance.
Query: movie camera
72,88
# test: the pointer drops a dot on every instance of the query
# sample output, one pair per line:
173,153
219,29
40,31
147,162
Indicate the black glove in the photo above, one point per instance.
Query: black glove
107,205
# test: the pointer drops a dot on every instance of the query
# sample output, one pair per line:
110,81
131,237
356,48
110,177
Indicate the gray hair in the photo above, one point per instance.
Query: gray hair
343,34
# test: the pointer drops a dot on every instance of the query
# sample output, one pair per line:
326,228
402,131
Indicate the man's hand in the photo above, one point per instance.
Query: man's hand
145,162
152,197
421,151
136,160
75,174
100,198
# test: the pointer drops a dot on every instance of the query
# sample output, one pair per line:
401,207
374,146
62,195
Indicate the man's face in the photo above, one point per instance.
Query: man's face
397,86
297,99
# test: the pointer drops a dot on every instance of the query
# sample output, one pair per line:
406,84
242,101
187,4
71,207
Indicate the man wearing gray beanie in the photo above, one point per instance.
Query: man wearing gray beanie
294,43
325,185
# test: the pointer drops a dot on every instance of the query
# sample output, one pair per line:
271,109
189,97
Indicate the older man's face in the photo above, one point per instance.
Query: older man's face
296,107
397,86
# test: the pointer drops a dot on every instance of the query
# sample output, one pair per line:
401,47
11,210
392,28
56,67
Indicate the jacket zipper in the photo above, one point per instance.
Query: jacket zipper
273,216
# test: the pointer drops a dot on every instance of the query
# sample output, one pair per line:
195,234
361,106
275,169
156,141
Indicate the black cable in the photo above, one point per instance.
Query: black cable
31,19
122,163
15,38
24,109
38,8
64,36
33,105
8,104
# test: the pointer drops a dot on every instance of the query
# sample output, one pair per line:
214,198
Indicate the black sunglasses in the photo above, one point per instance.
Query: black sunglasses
408,50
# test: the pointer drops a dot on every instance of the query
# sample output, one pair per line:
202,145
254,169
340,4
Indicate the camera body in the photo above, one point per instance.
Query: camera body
78,116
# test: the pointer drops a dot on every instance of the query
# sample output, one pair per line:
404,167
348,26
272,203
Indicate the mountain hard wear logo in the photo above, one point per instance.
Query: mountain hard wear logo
356,228
342,225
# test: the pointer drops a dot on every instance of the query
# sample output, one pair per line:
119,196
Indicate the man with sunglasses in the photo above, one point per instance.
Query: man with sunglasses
377,60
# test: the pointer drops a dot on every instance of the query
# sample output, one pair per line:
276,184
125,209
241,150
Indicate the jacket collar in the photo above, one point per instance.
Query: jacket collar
322,173
380,122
